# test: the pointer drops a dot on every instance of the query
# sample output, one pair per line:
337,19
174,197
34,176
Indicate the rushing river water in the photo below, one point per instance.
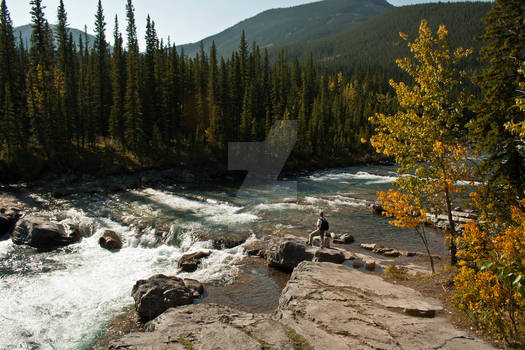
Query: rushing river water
65,298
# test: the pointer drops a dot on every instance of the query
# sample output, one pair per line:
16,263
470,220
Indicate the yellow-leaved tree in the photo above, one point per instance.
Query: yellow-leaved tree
491,282
426,135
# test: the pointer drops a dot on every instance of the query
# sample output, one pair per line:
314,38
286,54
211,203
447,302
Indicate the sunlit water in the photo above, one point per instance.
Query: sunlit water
65,298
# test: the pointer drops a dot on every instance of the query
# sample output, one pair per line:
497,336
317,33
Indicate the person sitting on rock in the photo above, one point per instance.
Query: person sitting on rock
322,227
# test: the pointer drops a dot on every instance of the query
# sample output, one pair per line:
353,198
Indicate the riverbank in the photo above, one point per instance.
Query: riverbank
322,306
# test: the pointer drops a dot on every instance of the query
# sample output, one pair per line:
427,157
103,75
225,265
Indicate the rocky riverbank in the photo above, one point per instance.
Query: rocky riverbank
323,306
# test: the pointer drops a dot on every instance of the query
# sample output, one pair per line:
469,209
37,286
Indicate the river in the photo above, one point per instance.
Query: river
65,298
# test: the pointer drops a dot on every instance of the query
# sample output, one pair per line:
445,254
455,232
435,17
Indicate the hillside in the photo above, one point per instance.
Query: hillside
285,26
376,42
26,31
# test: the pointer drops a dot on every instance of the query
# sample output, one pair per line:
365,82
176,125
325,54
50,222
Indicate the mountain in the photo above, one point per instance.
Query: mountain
376,42
285,26
27,29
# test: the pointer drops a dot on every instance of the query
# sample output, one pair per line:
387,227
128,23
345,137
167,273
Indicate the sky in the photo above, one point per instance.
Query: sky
184,21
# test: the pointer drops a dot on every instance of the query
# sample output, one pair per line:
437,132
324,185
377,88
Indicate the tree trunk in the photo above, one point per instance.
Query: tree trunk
452,230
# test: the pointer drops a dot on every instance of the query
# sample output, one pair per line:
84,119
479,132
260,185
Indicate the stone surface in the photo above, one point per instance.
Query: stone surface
368,246
287,253
195,286
376,209
190,262
329,255
39,232
159,293
323,306
110,240
343,239
8,218
208,326
337,307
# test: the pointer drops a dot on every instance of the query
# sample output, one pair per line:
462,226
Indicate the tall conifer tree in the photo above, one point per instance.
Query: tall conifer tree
133,105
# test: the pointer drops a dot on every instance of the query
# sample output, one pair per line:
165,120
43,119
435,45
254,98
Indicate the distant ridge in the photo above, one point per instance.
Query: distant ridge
27,30
281,27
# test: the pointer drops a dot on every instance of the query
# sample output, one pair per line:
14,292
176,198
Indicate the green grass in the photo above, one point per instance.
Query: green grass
396,272
299,342
188,345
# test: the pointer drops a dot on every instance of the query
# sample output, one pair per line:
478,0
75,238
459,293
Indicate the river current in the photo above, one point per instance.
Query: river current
65,298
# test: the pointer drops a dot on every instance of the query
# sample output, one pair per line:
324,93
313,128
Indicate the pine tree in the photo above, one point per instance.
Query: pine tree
102,90
504,50
149,95
40,84
118,82
10,90
66,67
133,109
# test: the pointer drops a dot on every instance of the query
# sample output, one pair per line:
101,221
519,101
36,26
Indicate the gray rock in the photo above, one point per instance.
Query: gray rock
368,246
209,326
190,262
376,209
195,286
329,255
323,306
287,253
110,240
337,307
159,293
344,239
39,232
257,248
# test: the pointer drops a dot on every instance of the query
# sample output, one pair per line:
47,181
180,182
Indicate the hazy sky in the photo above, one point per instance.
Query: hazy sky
184,21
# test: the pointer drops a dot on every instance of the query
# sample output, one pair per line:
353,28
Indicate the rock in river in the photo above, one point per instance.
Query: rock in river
110,240
159,293
39,232
190,262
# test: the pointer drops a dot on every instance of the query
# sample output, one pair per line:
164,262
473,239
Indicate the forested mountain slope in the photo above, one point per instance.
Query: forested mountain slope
377,42
285,26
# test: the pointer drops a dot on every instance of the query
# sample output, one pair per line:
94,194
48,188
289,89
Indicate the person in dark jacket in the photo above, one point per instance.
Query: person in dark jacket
322,227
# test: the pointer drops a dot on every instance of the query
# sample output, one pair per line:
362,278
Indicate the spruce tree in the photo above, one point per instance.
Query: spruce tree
133,105
118,82
102,90
503,53
40,84
10,94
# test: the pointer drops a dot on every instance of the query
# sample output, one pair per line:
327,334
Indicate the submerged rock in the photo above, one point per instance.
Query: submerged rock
190,262
39,232
159,293
110,240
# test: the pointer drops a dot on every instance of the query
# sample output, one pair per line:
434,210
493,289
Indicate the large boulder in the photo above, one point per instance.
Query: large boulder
287,253
8,218
39,232
190,262
110,240
159,293
337,307
330,255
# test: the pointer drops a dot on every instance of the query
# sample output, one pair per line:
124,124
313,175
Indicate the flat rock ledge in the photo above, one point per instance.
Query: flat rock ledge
323,306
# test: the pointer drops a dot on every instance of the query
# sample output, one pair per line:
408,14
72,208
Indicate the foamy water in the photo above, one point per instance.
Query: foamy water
65,298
